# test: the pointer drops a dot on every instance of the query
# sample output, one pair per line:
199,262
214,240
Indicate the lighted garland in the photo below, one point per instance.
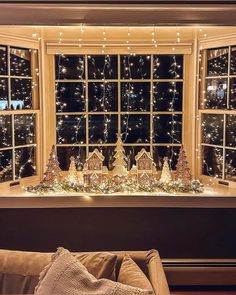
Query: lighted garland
109,187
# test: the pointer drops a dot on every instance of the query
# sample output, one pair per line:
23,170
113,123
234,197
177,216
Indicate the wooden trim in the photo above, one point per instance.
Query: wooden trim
219,41
200,272
119,48
24,42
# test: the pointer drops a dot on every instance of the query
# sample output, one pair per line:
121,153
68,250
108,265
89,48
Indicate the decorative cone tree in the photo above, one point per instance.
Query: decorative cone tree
120,165
53,171
183,173
166,176
72,174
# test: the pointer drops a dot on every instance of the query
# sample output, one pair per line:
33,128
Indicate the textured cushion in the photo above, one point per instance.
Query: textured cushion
65,275
19,271
130,274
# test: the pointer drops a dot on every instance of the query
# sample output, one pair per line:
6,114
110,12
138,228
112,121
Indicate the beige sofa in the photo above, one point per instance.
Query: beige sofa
15,279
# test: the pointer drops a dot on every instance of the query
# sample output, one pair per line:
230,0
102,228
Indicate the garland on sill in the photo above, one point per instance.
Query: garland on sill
96,178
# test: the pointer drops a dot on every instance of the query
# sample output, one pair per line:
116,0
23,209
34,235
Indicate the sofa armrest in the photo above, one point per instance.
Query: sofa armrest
156,273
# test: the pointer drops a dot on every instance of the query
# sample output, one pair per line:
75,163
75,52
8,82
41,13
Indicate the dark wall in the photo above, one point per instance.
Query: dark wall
175,232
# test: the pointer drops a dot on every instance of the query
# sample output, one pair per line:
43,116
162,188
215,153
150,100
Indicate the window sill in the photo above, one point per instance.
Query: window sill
213,197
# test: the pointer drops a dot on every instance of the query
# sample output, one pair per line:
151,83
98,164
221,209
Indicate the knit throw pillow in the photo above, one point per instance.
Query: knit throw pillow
65,275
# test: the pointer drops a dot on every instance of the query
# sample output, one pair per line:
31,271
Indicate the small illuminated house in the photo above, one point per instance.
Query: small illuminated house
93,168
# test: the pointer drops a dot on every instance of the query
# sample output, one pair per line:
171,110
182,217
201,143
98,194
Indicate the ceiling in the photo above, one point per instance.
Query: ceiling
118,12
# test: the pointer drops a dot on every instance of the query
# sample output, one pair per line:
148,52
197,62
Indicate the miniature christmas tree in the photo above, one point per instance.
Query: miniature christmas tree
120,165
72,174
53,171
166,176
183,173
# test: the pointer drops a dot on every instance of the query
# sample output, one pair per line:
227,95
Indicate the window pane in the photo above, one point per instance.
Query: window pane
64,154
135,96
167,128
108,152
160,152
231,130
6,165
135,66
5,131
167,96
70,97
24,129
102,67
168,66
212,161
103,97
21,94
25,162
3,94
212,128
233,61
69,67
232,94
216,93
71,129
3,60
135,128
131,152
217,62
20,62
103,128
230,165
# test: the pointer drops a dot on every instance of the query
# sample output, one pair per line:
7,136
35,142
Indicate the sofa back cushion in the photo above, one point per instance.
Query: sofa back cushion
65,275
19,271
130,274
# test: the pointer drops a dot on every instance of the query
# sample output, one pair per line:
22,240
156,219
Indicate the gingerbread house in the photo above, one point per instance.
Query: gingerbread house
144,167
93,168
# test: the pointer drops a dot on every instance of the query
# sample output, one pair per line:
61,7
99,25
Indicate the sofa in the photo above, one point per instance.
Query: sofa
19,270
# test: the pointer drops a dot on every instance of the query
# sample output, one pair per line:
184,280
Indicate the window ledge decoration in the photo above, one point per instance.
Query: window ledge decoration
96,178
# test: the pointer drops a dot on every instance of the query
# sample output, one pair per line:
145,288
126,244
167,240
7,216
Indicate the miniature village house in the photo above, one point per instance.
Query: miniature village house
144,167
93,168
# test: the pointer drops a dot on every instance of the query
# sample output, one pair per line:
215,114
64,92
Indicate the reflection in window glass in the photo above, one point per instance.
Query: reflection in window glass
69,67
5,131
135,128
232,94
216,94
25,162
103,97
65,153
135,66
6,172
70,97
103,128
167,96
212,129
3,60
233,61
171,152
21,94
135,96
168,66
24,126
71,129
230,164
231,130
212,161
167,128
20,62
103,66
217,62
3,94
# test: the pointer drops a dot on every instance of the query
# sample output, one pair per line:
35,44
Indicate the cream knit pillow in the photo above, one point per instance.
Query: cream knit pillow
65,275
